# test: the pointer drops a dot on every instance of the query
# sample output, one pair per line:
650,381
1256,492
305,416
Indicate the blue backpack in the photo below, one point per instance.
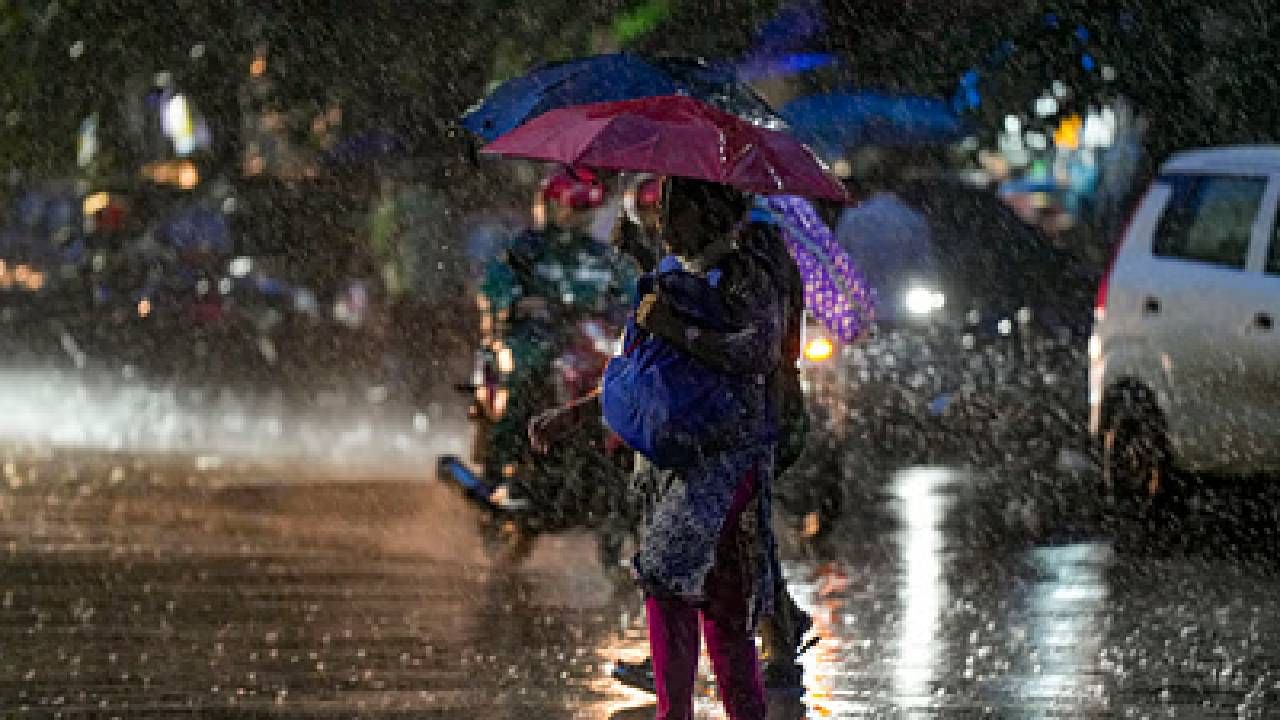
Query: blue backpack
661,401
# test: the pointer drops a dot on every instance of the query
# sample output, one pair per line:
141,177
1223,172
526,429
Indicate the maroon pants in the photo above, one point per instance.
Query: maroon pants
674,639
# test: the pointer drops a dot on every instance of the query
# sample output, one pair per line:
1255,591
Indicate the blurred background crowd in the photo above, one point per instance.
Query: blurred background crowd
284,190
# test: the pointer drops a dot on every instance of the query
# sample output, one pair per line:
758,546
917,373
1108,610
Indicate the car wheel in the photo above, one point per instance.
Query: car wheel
1135,456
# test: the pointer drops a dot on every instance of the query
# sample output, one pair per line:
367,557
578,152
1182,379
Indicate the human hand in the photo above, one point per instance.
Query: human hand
648,310
547,428
655,316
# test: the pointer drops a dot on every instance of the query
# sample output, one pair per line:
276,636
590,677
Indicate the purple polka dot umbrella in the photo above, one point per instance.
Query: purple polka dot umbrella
834,289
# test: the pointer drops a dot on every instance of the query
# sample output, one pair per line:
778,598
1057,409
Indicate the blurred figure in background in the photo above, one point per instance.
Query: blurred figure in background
636,233
886,238
636,236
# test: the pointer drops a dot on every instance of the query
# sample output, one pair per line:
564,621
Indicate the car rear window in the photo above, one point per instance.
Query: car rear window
1209,218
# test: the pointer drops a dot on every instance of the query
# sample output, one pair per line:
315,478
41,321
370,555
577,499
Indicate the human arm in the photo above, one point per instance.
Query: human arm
548,427
752,346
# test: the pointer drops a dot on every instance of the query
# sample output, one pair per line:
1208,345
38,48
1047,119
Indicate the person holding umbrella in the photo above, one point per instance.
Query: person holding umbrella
706,553
759,239
706,547
783,631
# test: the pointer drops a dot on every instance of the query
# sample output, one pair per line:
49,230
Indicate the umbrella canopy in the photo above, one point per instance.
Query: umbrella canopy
835,121
673,135
834,289
608,78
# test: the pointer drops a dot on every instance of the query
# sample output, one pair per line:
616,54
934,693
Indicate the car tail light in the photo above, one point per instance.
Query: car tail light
1104,285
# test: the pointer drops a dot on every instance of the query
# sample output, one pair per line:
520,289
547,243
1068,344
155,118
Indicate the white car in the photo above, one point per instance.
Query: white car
1185,355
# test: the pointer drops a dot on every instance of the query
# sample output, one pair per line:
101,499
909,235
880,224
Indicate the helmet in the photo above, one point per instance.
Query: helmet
648,193
574,188
644,193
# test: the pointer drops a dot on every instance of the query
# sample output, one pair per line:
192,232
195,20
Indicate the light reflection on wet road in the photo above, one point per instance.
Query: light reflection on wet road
968,602
914,633
150,585
353,427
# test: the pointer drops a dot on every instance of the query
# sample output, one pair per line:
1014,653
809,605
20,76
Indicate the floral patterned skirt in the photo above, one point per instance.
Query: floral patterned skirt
685,511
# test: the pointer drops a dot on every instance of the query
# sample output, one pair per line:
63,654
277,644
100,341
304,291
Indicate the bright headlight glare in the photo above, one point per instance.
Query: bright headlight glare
240,267
506,361
922,301
818,349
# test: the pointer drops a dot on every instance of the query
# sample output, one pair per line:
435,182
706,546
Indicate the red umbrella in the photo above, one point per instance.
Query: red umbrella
673,135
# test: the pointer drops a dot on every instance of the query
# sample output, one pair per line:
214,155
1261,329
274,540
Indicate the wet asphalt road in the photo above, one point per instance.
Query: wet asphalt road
139,579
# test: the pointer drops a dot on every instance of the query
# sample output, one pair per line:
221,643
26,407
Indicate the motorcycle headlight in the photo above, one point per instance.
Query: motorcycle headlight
240,267
34,279
923,300
819,349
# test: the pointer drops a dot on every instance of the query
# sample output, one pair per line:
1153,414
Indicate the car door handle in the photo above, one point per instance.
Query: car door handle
1151,306
1263,321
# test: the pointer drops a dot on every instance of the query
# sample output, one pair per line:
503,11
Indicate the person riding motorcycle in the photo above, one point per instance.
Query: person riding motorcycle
635,235
537,297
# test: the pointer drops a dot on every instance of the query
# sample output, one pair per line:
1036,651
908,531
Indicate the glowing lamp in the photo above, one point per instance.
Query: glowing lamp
819,349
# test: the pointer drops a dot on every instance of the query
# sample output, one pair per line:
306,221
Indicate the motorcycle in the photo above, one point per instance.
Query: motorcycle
579,484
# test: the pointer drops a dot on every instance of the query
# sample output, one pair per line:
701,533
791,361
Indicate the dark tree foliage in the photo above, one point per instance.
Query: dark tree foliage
1202,72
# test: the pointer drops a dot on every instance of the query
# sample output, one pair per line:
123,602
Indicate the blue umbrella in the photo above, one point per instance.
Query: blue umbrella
609,78
832,122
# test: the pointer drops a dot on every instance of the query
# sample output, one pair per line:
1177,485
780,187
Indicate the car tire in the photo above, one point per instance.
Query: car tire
1136,463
